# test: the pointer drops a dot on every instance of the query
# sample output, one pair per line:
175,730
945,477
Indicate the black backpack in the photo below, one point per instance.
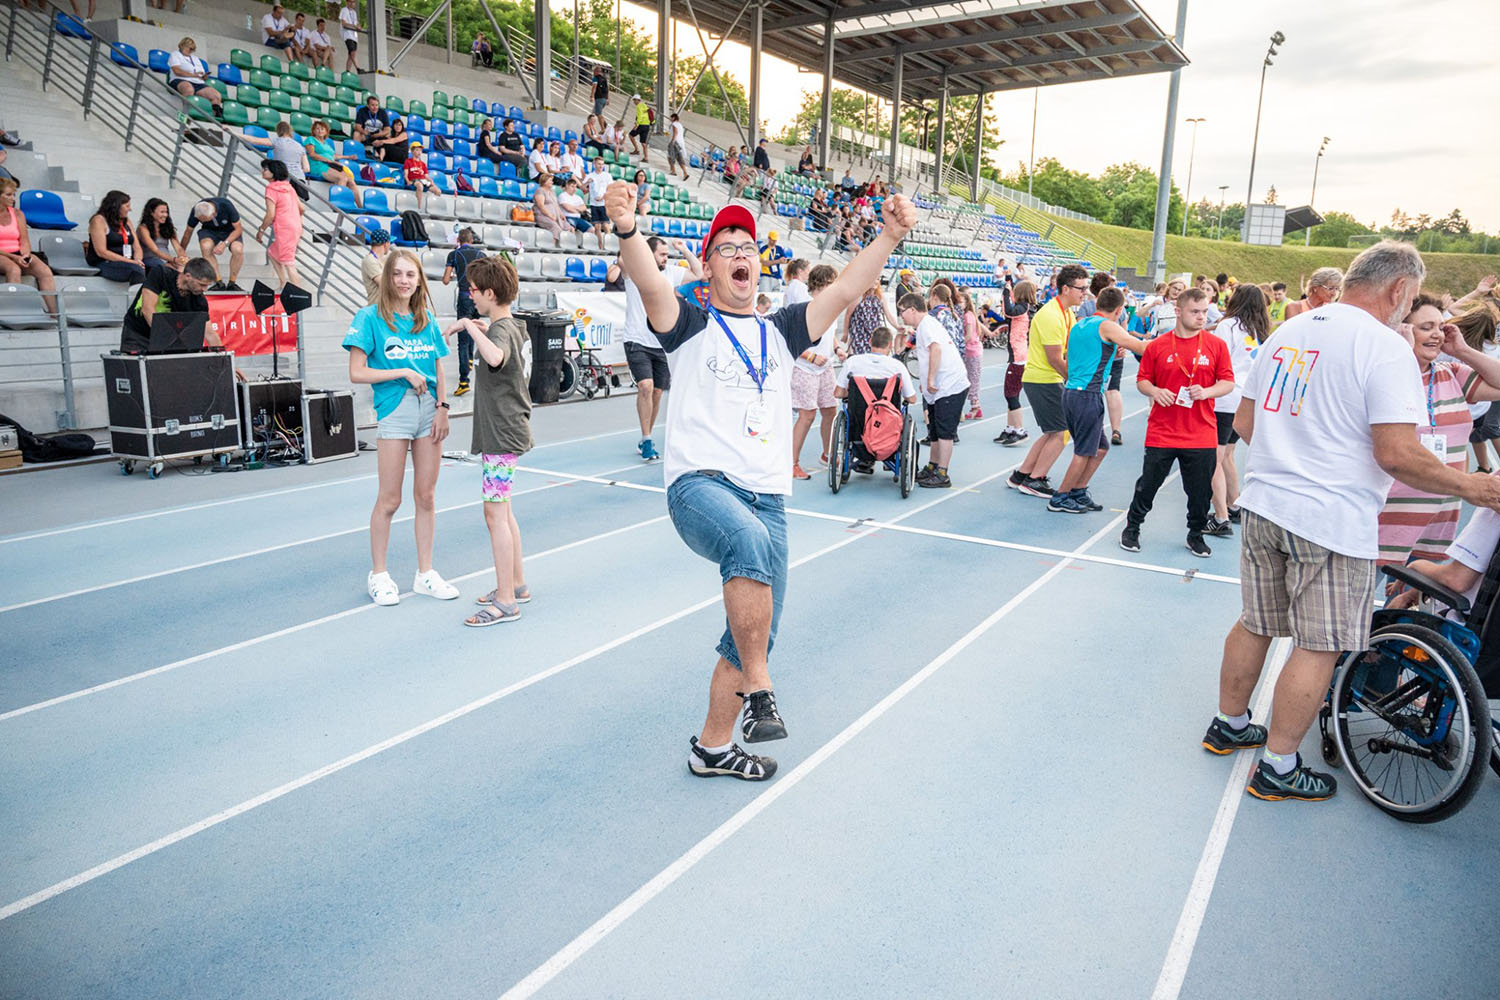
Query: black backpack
412,228
56,448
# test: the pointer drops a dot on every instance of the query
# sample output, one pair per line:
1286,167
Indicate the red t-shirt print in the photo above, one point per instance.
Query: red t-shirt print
1171,362
416,170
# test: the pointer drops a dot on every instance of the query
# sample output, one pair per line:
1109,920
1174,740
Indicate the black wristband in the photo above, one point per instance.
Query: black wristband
626,236
444,406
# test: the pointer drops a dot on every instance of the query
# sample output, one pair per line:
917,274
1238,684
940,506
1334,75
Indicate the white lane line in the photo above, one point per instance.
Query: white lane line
633,903
58,888
266,550
1185,937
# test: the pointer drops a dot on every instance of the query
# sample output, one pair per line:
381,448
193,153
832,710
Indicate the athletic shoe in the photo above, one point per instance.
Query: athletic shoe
761,722
1086,498
1037,486
217,286
1302,783
1219,529
383,590
1016,438
1221,739
232,286
733,763
1130,539
1004,436
1066,503
1234,515
1015,479
1115,439
798,473
433,585
868,468
1197,547
936,481
462,389
645,448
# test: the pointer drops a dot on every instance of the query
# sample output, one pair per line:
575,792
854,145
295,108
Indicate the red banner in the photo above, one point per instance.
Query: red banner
244,332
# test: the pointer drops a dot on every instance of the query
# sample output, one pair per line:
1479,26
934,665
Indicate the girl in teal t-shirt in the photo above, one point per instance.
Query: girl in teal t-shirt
323,162
394,347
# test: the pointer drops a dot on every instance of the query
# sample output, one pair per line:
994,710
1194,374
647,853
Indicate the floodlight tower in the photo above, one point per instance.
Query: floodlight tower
1276,39
1308,241
1187,191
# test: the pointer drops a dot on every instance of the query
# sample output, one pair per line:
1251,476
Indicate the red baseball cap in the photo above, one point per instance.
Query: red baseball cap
728,217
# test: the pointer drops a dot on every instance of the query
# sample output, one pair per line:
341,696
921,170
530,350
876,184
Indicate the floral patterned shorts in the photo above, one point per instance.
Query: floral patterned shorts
499,470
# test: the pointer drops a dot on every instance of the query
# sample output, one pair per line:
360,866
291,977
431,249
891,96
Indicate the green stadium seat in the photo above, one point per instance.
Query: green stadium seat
440,99
200,110
658,178
300,71
327,77
393,103
351,80
267,118
442,114
281,101
301,123
348,95
415,107
458,101
249,96
311,105
290,85
241,59
609,156
320,90
342,113
272,65
260,78
236,114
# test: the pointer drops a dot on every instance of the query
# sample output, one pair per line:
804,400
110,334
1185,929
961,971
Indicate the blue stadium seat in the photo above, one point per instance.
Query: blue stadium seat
350,148
438,127
530,188
511,190
229,74
506,170
416,125
157,60
464,148
659,226
444,182
536,131
570,136
364,225
375,201
462,131
342,199
598,269
516,113
440,162
387,172
257,131
485,168
576,270
489,188
67,24
695,162
44,210
396,236
554,133
674,228
125,55
478,105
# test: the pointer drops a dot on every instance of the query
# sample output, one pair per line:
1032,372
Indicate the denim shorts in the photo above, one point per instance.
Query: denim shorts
744,532
412,418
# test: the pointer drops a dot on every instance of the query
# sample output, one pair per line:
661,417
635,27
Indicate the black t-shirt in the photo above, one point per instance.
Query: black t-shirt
225,216
511,141
761,160
363,116
135,335
459,260
601,88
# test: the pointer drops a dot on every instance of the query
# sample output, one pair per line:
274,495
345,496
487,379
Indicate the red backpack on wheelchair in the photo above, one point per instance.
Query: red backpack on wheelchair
883,418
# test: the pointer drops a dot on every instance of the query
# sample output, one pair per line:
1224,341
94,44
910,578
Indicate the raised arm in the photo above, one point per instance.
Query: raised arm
692,263
637,261
1486,367
900,215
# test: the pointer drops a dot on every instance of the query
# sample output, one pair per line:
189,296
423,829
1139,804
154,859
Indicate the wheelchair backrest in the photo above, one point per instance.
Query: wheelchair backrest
1484,622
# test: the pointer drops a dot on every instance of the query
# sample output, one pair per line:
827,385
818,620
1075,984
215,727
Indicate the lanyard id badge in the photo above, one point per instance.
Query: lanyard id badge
757,414
1437,444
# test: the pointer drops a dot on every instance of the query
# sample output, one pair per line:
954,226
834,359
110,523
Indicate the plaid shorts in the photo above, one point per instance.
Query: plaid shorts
1293,587
499,470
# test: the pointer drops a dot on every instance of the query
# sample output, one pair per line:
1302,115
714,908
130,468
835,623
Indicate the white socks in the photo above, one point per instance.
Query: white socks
1235,721
1281,765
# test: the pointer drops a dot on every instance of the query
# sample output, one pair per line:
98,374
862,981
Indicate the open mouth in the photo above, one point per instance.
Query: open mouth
740,275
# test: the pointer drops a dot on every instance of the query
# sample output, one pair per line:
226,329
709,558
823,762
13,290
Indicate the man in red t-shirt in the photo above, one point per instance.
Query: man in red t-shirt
1182,374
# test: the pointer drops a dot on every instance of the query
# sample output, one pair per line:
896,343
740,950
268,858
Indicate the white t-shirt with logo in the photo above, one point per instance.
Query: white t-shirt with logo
1242,350
271,23
951,376
877,366
1319,382
714,404
349,20
635,310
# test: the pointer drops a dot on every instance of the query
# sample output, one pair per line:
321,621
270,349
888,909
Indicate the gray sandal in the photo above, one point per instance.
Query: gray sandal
493,614
522,595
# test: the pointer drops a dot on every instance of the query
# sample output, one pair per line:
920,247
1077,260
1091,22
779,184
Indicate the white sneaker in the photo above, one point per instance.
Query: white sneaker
432,585
383,589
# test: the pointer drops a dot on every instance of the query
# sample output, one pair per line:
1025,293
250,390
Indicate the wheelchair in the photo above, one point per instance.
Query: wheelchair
846,444
1414,717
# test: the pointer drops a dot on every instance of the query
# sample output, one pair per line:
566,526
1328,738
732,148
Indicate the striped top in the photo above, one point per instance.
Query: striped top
1420,525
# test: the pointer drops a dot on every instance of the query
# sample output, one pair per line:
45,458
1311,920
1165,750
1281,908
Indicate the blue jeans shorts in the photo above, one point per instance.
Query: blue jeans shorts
744,532
411,419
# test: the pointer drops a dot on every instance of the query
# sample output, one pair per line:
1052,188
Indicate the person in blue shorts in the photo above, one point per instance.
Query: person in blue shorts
1092,346
394,347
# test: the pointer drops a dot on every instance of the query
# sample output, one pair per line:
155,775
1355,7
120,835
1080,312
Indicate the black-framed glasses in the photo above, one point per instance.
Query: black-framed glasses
731,250
1080,288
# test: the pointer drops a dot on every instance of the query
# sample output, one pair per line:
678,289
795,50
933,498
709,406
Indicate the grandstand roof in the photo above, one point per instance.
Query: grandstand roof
984,45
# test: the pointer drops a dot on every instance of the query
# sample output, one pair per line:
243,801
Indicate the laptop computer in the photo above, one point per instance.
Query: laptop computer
177,332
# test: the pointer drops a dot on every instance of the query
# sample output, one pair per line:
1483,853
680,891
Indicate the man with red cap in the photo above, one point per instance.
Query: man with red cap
729,425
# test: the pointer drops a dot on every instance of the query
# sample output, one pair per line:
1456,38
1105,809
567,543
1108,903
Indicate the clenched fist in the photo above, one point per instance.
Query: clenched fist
900,216
619,205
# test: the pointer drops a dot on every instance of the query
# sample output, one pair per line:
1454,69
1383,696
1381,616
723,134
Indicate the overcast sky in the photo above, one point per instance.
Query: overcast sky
1402,89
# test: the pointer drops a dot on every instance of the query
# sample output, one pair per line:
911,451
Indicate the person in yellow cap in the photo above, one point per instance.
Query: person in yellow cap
771,256
907,283
415,172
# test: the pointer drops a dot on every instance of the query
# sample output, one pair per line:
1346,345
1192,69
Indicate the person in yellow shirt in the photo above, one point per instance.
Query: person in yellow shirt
1042,381
642,130
1277,306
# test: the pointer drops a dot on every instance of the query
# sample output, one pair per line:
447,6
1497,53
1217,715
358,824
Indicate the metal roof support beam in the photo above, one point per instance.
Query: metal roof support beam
978,145
418,34
664,56
541,34
1157,266
757,30
708,62
723,91
515,64
896,119
997,35
825,116
942,136
374,15
1049,58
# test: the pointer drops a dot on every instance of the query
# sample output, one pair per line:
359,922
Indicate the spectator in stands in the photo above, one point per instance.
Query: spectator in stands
819,211
411,414
545,210
642,193
771,256
1322,288
642,129
480,53
572,164
807,166
614,136
456,268
537,161
111,246
593,136
510,145
600,92
157,237
323,162
16,256
414,170
287,150
320,45
394,145
576,211
374,263
164,291
847,182
733,170
301,48
762,159
371,122
597,183
676,148
188,75
275,30
283,221
219,230
768,192
4,173
554,158
349,28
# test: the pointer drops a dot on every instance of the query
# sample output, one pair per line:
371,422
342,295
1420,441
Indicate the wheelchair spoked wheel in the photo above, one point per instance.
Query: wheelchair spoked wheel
1411,723
838,451
910,455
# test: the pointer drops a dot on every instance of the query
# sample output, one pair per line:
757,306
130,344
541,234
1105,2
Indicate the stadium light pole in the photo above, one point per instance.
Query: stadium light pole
1036,95
1276,39
1319,159
1157,265
1192,152
1219,226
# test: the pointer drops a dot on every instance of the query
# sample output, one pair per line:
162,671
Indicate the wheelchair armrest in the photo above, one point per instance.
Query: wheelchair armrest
1428,587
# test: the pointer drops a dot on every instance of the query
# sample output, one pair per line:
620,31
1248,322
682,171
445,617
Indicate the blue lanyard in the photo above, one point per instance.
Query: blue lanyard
758,377
1431,414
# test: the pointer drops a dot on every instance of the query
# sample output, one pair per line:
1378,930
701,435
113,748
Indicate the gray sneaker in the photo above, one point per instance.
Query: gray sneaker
1302,783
